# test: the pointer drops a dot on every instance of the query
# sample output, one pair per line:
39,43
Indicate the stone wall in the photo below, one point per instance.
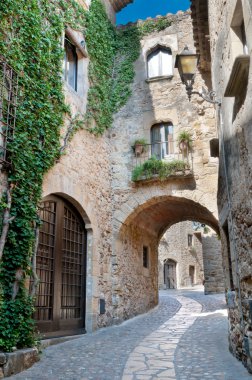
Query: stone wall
83,177
165,100
120,217
235,133
134,287
17,361
213,267
156,206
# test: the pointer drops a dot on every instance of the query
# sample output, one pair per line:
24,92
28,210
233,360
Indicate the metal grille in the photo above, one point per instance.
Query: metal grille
72,266
45,262
8,108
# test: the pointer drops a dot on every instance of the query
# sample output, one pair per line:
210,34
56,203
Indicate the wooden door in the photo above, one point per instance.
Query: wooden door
61,267
170,274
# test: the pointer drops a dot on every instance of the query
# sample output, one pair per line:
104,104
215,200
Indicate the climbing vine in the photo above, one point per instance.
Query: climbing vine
30,40
112,54
30,35
111,70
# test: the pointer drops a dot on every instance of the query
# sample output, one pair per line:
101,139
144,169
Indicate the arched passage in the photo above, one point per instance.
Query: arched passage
159,213
136,287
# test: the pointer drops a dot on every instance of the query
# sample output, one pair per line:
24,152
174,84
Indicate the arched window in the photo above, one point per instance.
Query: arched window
162,144
159,62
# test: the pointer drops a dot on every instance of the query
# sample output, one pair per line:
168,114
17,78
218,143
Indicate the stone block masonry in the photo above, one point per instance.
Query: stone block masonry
17,361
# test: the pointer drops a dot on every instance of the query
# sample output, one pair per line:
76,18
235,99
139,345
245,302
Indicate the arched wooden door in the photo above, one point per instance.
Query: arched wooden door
61,267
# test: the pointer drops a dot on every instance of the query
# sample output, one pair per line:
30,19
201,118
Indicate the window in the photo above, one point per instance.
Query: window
159,63
145,257
190,240
162,144
192,274
70,64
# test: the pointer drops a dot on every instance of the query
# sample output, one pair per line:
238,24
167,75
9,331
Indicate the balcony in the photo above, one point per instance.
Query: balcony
161,161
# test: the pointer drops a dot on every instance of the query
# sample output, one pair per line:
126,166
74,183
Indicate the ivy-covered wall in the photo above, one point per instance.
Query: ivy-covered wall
30,41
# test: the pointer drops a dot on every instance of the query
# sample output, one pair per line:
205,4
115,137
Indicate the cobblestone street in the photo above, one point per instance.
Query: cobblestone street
185,338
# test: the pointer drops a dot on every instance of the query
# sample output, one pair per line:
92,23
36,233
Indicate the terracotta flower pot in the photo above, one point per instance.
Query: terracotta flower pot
183,145
139,148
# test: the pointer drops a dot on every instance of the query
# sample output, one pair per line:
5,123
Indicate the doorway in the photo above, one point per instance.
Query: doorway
61,267
192,274
170,274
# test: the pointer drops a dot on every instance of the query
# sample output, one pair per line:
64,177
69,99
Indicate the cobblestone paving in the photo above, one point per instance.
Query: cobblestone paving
153,358
101,355
202,353
185,338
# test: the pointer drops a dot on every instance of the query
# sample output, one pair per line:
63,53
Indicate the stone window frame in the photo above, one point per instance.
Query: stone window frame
159,47
77,40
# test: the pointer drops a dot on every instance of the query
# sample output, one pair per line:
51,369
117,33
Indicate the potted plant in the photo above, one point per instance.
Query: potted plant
184,141
140,146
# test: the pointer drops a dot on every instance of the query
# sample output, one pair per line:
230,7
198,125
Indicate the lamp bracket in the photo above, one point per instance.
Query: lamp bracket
208,96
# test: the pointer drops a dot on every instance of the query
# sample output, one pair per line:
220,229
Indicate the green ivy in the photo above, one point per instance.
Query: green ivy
111,70
100,38
30,40
30,35
154,25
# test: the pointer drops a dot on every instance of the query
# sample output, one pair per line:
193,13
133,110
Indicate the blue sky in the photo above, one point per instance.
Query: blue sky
141,9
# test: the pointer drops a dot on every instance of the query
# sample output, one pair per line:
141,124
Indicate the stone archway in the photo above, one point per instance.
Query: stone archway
158,213
135,288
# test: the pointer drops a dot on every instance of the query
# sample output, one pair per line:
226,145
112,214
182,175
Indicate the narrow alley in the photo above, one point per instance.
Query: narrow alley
184,338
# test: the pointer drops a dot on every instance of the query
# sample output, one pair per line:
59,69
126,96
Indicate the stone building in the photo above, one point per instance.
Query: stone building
230,32
180,257
145,208
98,245
187,257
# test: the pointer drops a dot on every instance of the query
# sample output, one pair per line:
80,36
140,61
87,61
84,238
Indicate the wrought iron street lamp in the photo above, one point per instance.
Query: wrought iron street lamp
187,63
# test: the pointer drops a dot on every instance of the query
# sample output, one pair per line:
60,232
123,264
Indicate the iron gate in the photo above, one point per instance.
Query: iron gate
61,262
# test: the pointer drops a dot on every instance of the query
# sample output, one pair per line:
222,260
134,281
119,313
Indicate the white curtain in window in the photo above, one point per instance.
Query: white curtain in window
153,64
162,133
165,63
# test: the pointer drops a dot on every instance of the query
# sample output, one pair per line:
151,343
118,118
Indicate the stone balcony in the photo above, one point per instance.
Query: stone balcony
161,161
